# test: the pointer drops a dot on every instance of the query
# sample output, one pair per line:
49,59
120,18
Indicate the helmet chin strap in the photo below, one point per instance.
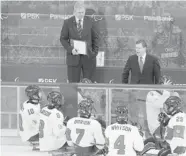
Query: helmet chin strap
51,106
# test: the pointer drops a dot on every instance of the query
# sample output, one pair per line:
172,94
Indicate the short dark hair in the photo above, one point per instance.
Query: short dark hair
142,41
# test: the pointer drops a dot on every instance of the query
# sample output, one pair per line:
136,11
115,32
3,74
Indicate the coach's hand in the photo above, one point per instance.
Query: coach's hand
75,51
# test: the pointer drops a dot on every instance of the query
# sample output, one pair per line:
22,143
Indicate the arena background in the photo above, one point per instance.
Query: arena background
30,34
31,53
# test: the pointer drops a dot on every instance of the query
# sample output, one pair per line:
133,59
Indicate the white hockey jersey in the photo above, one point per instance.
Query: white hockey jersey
123,140
29,120
51,130
176,131
85,132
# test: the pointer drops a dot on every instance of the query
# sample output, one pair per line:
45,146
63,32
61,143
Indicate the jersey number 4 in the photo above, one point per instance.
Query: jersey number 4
119,144
41,127
80,133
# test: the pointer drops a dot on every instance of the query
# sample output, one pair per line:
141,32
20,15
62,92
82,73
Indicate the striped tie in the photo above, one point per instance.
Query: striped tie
79,28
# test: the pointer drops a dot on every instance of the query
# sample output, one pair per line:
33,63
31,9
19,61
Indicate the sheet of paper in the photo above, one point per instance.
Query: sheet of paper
80,46
100,59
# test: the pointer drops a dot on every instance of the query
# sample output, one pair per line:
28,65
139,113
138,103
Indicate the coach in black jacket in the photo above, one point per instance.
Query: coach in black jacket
82,28
144,68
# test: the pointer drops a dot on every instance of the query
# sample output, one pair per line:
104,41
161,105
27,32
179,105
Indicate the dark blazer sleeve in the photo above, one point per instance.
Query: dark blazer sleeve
126,70
64,37
156,71
95,38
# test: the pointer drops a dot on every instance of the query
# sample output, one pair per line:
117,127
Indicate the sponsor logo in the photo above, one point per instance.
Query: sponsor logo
96,17
157,18
57,16
29,16
43,80
125,17
169,55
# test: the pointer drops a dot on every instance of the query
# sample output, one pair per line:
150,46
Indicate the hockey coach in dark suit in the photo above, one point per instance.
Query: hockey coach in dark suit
144,68
82,28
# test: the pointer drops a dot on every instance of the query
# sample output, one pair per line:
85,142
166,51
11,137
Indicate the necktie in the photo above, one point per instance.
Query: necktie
79,27
141,64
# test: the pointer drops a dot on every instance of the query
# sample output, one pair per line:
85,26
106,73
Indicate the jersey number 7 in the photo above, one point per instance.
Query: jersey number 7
80,133
119,144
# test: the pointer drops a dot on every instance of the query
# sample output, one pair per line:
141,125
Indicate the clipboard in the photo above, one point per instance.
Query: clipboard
81,46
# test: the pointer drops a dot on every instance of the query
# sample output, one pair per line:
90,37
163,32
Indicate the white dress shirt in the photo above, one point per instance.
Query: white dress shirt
143,58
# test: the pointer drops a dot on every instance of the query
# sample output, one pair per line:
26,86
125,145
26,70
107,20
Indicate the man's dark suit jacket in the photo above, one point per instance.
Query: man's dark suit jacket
89,34
150,74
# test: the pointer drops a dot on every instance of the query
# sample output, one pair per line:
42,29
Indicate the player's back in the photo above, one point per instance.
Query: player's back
154,102
178,124
51,129
123,140
85,132
29,120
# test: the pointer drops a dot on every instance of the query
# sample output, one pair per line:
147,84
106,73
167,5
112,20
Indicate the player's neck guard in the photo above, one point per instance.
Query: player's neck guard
121,120
160,92
34,102
50,106
85,116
